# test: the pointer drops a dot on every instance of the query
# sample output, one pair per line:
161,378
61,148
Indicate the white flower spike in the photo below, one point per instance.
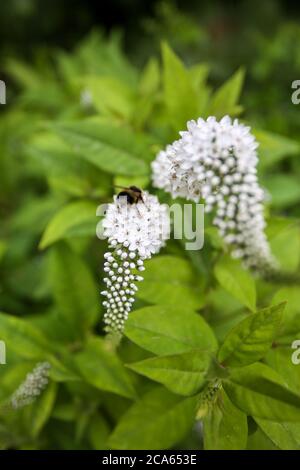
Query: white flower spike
217,161
135,232
32,387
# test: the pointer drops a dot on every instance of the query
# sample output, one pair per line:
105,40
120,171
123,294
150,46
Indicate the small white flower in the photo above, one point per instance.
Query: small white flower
216,161
135,232
32,387
86,98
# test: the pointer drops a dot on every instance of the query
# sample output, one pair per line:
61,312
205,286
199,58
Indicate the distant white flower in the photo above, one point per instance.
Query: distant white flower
216,161
86,98
135,232
32,387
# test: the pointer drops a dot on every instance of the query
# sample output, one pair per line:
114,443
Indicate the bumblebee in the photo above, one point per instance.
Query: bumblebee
132,193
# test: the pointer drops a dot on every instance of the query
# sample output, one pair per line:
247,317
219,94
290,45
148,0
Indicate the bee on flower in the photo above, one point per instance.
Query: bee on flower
136,229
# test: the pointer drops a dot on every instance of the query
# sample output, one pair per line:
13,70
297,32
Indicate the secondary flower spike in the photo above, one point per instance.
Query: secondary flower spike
217,161
135,232
32,387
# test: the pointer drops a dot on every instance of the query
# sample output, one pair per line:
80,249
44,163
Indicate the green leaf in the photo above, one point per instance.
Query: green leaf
282,360
225,99
184,373
259,391
157,421
29,279
83,419
251,339
73,175
258,440
101,368
225,426
3,247
104,57
110,95
286,436
148,93
22,337
237,281
170,280
29,342
110,148
98,432
284,189
69,221
290,295
63,370
64,411
35,213
227,312
74,289
150,78
39,412
285,242
22,73
273,147
169,330
179,94
199,73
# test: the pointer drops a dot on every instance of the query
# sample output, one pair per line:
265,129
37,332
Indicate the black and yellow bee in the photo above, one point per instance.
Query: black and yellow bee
132,193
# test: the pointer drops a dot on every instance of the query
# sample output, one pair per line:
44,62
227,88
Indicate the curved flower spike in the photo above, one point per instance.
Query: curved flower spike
216,161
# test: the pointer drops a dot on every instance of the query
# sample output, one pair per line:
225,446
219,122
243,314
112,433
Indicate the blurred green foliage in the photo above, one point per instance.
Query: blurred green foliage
200,340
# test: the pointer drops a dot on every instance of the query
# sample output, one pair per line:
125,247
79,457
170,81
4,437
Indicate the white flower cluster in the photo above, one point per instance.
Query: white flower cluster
135,232
33,385
217,161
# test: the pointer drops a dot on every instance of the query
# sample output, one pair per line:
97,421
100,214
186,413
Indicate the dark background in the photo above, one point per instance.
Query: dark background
263,36
26,24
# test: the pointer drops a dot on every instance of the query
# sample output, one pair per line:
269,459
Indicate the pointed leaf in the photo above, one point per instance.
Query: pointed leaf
39,412
184,373
169,330
237,281
258,391
74,289
110,148
102,368
23,337
273,147
69,221
180,96
225,426
171,280
157,421
251,339
225,100
284,435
